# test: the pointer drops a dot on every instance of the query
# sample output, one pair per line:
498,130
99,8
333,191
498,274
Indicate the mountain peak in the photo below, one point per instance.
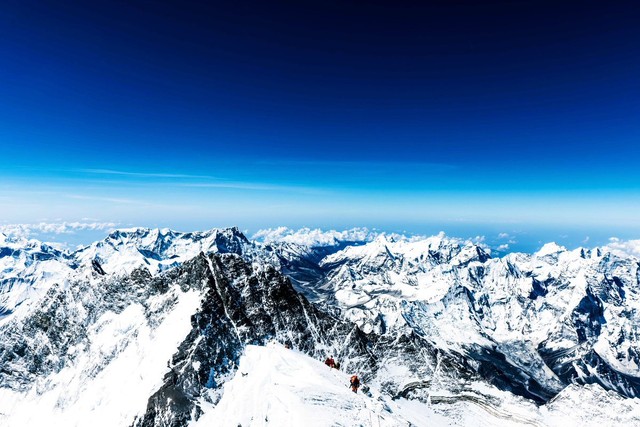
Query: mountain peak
550,249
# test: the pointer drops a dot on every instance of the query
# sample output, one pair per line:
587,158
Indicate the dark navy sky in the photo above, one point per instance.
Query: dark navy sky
449,106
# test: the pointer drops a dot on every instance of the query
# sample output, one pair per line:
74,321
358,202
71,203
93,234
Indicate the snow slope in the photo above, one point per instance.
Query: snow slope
156,249
109,374
533,323
281,387
27,269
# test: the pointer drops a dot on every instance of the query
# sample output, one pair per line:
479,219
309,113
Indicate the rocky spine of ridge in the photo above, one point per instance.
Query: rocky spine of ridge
243,305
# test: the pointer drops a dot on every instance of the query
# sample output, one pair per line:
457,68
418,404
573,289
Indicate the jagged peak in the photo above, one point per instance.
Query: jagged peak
23,244
550,248
138,233
234,231
409,247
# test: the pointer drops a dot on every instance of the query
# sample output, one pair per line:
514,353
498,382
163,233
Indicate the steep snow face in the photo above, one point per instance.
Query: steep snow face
252,304
532,323
277,386
368,281
91,355
157,349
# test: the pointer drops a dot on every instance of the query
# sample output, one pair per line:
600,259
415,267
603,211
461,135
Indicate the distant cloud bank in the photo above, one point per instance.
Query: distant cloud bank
317,237
28,230
628,247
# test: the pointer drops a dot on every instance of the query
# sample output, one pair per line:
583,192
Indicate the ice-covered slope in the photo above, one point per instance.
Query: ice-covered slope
440,322
79,373
276,386
171,340
368,281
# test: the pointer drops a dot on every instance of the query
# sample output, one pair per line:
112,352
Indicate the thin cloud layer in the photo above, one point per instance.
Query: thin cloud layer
28,230
317,237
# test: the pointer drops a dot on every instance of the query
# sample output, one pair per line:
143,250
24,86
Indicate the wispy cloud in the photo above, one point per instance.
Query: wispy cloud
314,237
626,247
106,199
29,229
359,163
255,186
143,174
183,180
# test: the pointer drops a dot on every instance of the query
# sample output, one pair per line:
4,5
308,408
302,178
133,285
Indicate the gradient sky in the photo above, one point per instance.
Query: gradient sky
472,117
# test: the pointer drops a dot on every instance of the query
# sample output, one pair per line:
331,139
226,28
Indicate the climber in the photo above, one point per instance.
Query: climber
330,362
355,383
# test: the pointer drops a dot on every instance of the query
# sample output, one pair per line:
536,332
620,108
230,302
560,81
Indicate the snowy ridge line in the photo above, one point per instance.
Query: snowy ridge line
317,237
577,308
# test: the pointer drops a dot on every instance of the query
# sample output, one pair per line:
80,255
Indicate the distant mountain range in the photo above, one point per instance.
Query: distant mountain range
148,327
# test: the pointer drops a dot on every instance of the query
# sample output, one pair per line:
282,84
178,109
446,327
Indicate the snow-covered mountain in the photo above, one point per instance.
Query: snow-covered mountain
27,268
149,328
30,268
533,323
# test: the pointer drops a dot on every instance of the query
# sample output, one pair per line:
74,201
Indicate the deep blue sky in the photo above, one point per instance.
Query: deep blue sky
399,115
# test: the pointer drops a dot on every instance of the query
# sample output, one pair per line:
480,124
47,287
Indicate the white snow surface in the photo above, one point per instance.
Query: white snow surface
281,387
156,249
27,269
109,383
